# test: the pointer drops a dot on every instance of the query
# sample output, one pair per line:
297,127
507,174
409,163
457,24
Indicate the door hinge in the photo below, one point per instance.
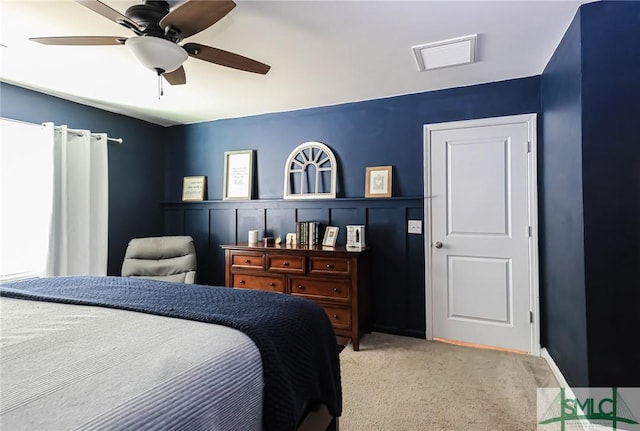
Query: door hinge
530,316
530,231
528,146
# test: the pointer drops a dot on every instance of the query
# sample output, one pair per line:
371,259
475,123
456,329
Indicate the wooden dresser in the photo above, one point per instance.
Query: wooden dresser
334,277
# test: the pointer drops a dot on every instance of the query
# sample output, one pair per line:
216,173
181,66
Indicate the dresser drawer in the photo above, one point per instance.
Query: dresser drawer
335,278
285,263
258,282
321,288
329,265
340,317
247,260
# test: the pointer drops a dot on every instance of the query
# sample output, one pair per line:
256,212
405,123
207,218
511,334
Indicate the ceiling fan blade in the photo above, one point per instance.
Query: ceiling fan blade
193,16
225,58
80,40
177,77
109,13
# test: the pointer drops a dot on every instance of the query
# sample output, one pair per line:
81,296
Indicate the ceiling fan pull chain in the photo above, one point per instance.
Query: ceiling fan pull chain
160,89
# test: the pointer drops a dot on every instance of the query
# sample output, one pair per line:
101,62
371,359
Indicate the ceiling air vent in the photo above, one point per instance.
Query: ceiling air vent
446,53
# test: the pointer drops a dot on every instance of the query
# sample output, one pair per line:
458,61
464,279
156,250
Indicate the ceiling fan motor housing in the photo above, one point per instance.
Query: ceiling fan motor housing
148,16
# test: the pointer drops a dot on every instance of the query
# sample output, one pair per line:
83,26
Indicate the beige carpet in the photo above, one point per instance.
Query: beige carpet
399,383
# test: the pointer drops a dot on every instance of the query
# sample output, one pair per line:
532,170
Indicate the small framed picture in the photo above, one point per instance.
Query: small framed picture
238,174
194,188
330,236
378,182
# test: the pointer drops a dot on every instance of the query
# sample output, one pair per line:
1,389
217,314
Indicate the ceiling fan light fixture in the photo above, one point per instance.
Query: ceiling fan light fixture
156,53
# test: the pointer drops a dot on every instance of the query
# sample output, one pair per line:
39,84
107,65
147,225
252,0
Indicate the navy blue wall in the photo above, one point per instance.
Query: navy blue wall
611,179
590,252
562,281
378,132
135,167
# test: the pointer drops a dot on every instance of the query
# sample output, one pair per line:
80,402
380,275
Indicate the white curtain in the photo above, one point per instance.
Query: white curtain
79,220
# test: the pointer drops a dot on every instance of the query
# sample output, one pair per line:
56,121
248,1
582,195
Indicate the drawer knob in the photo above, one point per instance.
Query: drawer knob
247,261
285,263
335,289
272,284
329,266
335,316
300,286
241,282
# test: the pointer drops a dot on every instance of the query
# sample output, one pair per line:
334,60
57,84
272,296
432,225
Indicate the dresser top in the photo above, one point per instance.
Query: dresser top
296,248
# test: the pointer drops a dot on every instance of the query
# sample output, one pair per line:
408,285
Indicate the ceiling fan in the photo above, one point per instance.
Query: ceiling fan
159,30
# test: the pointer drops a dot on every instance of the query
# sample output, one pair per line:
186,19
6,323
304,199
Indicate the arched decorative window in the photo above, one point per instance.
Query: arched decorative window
310,172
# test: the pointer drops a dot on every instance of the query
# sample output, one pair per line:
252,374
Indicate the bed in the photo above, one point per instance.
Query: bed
115,353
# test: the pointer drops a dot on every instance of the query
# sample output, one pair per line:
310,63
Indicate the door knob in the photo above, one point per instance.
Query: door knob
438,244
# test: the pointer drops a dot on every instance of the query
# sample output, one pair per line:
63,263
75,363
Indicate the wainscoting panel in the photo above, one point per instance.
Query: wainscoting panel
397,270
415,259
341,217
385,228
196,224
279,222
174,221
249,219
222,230
318,214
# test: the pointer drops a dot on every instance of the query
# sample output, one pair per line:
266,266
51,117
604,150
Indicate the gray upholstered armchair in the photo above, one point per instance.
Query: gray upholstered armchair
167,258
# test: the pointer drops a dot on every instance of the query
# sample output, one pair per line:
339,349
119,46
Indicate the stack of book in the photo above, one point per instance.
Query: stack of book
308,233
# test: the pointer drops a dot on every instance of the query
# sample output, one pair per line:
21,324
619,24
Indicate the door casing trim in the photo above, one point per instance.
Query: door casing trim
534,280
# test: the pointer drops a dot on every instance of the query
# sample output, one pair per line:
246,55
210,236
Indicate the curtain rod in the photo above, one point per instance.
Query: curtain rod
78,133
109,138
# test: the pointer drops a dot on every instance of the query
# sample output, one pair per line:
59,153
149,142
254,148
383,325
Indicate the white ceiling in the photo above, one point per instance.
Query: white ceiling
321,53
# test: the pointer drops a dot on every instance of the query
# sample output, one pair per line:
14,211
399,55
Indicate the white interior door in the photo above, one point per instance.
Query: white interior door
481,252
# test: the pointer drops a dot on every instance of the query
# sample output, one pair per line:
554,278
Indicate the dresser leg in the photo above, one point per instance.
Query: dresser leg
334,425
355,342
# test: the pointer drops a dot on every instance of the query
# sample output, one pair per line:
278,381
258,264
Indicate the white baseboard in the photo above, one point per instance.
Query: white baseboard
544,353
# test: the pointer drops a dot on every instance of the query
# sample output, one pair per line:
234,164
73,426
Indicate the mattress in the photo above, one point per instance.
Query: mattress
83,367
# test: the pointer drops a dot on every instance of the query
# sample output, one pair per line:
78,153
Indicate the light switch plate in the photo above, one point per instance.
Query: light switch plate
415,226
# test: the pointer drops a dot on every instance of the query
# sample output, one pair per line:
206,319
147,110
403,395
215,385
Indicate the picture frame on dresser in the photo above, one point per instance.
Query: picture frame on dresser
330,236
238,175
